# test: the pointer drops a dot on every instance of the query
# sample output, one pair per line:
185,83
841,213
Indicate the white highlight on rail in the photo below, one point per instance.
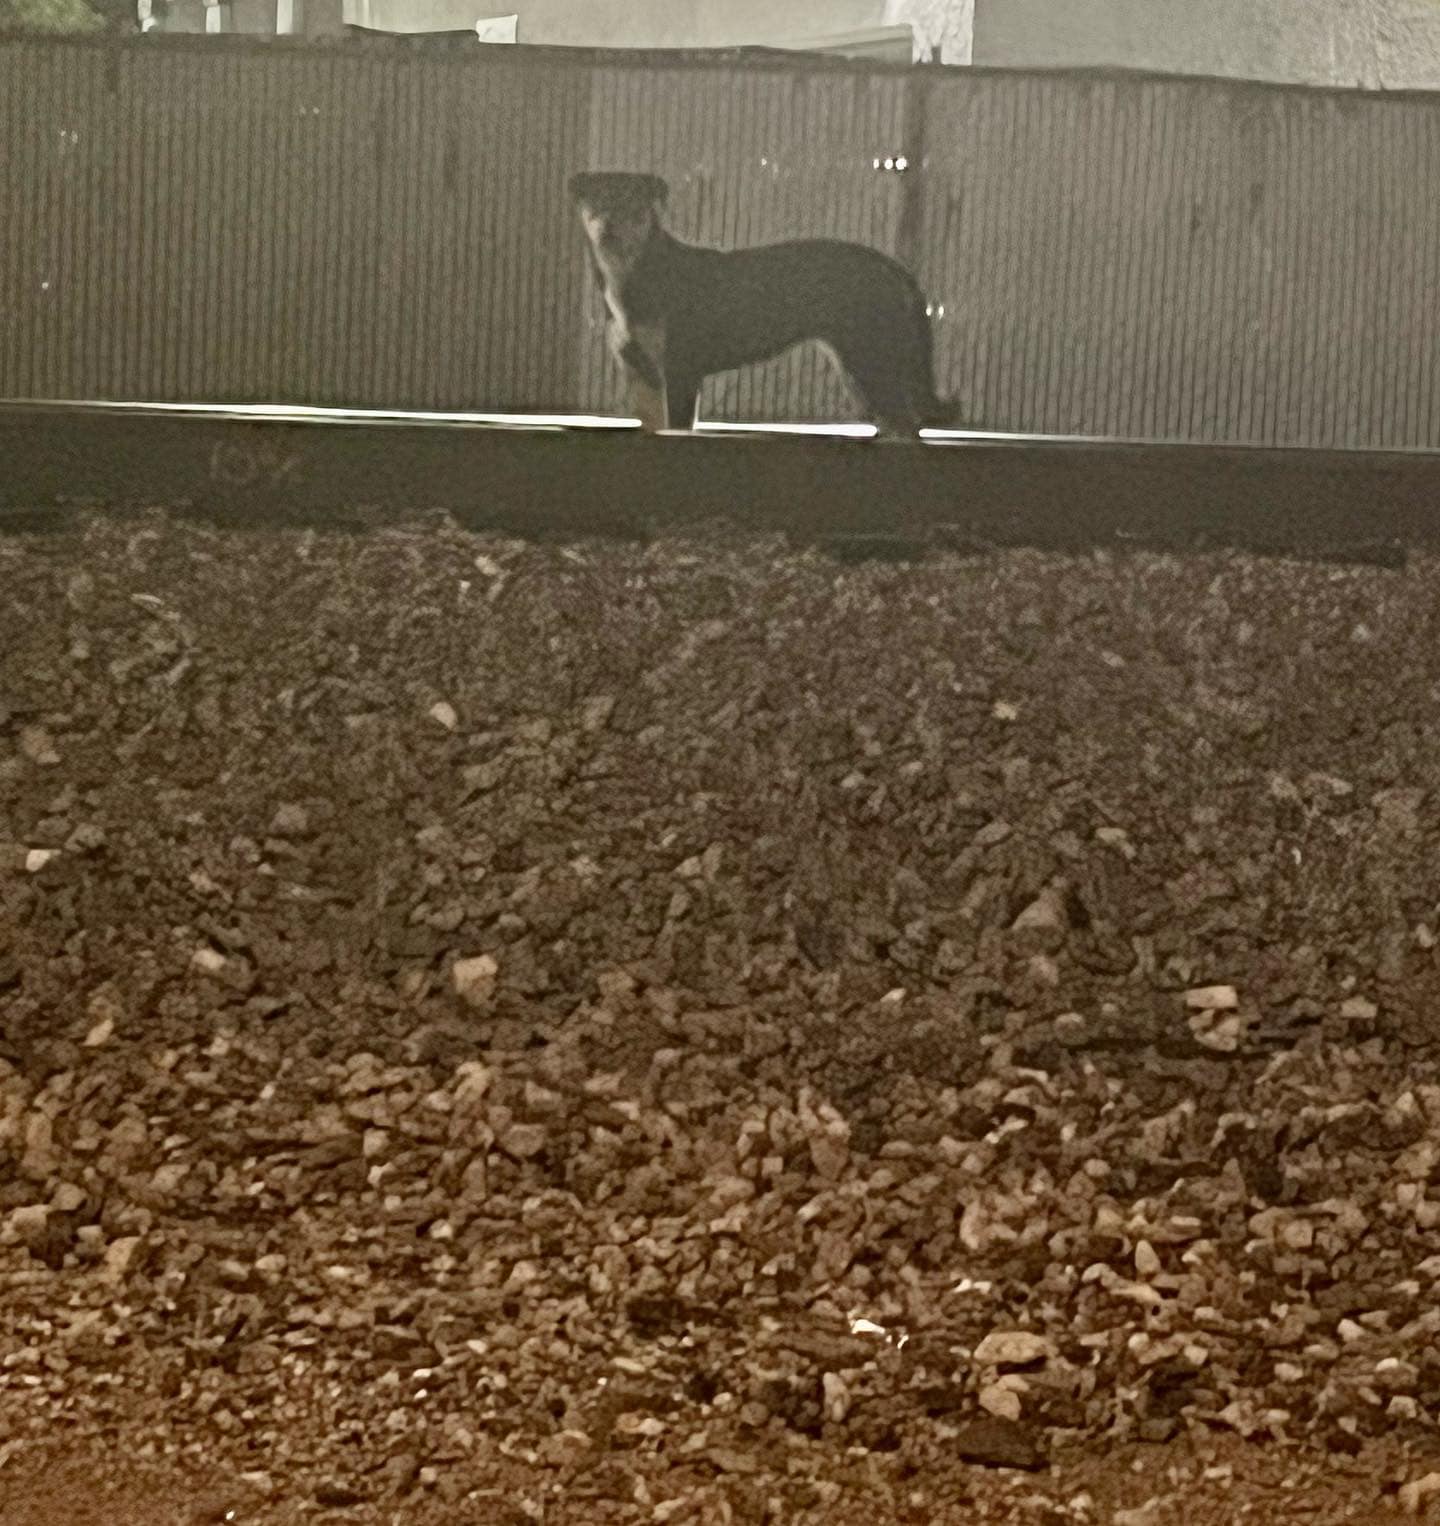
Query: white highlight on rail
834,431
280,412
301,412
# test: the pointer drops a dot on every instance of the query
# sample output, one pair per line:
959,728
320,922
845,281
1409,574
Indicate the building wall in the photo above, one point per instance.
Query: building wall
1407,45
944,29
629,23
1392,44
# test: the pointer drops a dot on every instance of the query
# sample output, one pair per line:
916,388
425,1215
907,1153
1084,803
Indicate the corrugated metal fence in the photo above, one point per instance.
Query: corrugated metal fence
217,220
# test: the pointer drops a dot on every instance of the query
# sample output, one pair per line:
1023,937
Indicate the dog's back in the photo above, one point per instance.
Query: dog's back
750,304
724,309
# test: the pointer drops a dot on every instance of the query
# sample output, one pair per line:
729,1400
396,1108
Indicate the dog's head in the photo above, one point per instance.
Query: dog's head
619,211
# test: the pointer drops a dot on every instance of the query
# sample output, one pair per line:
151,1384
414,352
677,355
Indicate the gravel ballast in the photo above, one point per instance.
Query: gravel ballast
696,1033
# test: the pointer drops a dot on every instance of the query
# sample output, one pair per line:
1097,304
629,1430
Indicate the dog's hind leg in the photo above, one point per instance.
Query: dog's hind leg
888,372
889,401
682,396
901,380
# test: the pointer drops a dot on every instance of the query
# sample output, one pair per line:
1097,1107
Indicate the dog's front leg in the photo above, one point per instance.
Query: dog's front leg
642,354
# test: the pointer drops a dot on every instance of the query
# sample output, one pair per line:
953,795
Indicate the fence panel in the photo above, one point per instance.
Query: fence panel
296,224
1184,259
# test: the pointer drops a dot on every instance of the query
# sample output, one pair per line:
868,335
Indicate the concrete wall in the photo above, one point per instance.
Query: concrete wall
1375,43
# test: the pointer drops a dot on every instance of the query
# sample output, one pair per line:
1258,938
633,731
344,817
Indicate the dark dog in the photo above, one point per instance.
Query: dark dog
678,313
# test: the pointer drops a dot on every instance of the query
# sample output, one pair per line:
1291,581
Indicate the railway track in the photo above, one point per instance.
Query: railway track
558,475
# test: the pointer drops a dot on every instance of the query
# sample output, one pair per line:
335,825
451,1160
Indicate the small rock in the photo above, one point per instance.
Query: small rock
472,1081
1358,1009
105,1001
636,1423
1415,1495
998,1443
474,979
337,1496
1396,1375
1297,1234
28,1224
596,712
540,1099
37,858
1013,1348
100,1033
997,1399
209,961
1399,809
1043,969
1156,1430
1044,923
732,1459
67,1197
523,1140
828,1136
1116,837
121,1257
36,745
1218,1030
1147,1260
290,821
400,1472
1212,999
829,1155
1151,1513
837,1397
39,1159
1071,1029
443,714
564,1448
86,838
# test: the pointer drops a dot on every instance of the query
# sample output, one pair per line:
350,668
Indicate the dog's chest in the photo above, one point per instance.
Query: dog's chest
611,279
614,309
